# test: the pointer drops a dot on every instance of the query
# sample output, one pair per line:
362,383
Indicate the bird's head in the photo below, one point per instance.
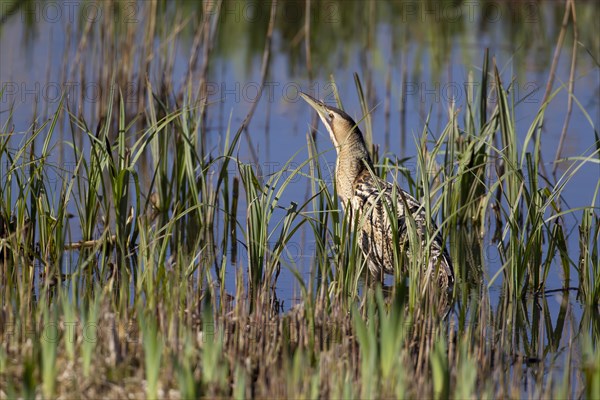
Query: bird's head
340,125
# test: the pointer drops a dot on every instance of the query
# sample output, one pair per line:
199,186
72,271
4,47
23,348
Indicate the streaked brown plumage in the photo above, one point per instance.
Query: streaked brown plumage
370,199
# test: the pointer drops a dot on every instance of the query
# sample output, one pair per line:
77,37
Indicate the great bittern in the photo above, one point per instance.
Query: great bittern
371,199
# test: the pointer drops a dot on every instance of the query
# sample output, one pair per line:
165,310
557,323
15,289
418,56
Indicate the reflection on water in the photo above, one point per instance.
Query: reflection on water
414,59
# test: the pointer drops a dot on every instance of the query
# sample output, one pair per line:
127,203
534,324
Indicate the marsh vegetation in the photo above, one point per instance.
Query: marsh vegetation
153,244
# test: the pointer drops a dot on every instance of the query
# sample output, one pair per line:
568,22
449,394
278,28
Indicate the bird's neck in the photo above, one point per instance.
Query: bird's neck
352,159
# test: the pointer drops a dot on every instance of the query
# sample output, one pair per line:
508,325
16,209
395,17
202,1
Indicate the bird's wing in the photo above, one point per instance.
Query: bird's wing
373,200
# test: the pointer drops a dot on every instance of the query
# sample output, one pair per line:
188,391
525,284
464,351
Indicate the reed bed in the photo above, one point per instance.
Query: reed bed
113,281
138,305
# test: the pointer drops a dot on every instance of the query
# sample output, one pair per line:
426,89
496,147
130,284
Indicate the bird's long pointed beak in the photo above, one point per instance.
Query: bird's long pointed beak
319,106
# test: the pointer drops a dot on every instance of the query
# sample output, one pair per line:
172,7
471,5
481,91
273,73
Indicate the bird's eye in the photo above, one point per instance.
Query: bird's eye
330,115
